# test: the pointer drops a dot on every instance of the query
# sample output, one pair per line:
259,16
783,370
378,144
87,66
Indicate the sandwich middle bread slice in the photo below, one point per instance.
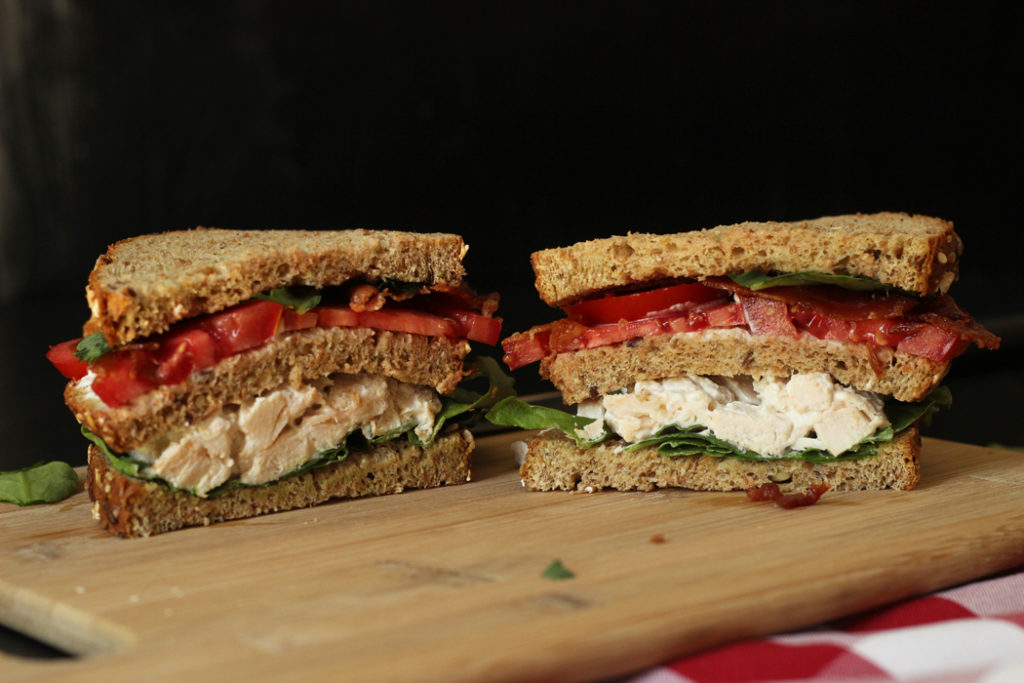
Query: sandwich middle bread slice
801,354
225,374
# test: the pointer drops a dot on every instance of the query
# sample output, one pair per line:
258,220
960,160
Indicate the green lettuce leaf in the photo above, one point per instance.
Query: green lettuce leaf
465,405
44,482
513,412
556,571
758,279
299,299
92,347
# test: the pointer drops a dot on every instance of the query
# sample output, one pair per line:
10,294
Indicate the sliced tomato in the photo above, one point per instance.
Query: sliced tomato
183,352
477,327
820,325
290,320
413,322
337,316
881,332
243,327
64,359
122,376
933,343
662,302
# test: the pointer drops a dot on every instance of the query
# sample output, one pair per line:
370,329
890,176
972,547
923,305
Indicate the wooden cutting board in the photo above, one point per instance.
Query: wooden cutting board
446,583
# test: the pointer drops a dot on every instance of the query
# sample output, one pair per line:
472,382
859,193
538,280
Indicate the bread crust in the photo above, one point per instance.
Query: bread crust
135,508
553,462
588,373
916,253
142,285
291,358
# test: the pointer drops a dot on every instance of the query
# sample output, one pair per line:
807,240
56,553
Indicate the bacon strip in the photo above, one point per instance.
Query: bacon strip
767,317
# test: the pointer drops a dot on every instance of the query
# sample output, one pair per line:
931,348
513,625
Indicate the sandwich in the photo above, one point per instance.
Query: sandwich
225,374
795,354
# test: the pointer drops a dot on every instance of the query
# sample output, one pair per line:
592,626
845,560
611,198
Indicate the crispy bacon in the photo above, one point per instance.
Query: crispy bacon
787,501
767,317
836,302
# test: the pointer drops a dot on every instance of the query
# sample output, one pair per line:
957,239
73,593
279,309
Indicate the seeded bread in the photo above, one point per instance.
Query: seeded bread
142,285
553,462
133,508
291,358
588,373
915,253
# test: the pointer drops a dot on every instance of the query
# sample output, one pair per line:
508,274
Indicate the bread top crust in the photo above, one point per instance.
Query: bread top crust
142,285
916,253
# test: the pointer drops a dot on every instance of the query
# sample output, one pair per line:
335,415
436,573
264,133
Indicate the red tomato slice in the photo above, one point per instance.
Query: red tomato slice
183,352
933,343
413,322
476,327
822,326
243,327
290,320
336,316
64,359
119,377
664,301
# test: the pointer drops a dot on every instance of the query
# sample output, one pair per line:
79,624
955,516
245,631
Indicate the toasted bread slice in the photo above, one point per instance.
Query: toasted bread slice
589,373
916,253
292,358
132,507
142,285
553,462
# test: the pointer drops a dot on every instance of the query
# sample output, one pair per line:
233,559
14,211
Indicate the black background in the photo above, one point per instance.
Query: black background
519,126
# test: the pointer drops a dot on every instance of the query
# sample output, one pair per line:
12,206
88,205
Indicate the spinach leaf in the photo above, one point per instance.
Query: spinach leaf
299,299
556,571
92,347
469,405
44,482
758,279
513,412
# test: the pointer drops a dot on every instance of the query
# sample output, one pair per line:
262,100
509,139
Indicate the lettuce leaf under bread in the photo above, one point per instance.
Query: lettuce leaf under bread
676,441
758,279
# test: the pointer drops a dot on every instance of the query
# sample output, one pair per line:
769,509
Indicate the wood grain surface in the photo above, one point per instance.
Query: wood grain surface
446,583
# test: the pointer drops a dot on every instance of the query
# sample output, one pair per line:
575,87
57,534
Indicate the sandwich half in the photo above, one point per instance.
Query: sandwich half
801,354
225,374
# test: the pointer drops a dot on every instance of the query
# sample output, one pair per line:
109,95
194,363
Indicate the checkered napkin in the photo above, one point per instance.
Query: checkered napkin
972,633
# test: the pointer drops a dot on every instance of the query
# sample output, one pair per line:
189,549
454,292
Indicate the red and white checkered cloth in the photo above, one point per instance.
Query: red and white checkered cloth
967,634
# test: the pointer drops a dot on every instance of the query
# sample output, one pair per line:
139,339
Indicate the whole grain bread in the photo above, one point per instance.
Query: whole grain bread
142,285
133,508
553,462
916,253
588,373
291,358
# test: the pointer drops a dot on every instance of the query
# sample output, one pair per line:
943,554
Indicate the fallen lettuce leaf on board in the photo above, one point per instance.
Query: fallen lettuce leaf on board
44,482
556,571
